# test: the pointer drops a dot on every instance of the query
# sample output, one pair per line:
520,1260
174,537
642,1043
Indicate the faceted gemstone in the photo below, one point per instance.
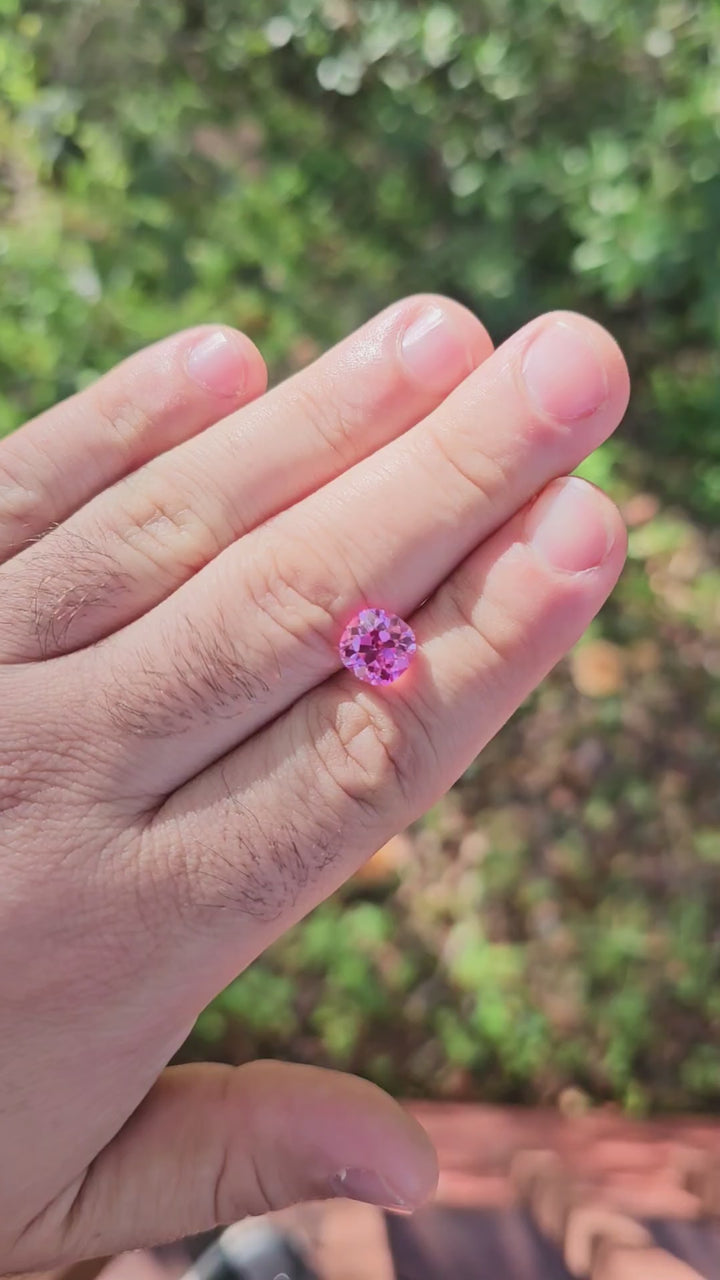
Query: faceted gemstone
377,646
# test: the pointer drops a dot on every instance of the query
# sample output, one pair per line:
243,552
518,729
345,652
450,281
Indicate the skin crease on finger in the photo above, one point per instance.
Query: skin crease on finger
147,911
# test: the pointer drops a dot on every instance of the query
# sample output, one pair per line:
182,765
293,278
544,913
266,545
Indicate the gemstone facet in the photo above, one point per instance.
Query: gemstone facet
377,646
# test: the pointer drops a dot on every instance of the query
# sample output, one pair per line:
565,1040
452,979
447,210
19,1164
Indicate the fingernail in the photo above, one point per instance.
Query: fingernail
433,352
217,364
368,1186
563,373
570,526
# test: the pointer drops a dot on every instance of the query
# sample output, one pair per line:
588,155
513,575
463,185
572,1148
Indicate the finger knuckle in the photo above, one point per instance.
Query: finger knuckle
365,752
458,451
259,1191
334,415
490,624
121,419
163,524
21,497
297,595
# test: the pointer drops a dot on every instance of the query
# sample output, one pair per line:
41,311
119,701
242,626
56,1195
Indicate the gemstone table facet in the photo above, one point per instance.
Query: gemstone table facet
377,646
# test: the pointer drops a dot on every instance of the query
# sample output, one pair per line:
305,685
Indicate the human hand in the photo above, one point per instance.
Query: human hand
184,771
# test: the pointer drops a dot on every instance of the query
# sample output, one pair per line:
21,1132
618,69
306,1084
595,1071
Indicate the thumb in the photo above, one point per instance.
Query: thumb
211,1144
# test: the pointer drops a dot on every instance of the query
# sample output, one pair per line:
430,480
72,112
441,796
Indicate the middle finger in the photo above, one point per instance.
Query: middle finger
260,625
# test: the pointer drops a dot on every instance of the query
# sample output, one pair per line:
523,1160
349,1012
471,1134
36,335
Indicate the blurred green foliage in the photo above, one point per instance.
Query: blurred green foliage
292,167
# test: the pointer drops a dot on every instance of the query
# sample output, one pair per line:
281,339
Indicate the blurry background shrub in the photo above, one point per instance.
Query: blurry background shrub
290,168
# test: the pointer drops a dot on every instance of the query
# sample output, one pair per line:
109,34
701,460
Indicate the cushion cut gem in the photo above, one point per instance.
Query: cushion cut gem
377,646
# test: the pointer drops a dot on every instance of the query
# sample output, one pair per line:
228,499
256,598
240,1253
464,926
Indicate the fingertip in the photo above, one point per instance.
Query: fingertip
612,357
440,341
372,1148
421,1170
617,535
477,338
584,347
574,527
398,1149
226,363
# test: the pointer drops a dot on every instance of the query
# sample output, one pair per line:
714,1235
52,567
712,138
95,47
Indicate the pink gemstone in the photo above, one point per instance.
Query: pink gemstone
377,646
